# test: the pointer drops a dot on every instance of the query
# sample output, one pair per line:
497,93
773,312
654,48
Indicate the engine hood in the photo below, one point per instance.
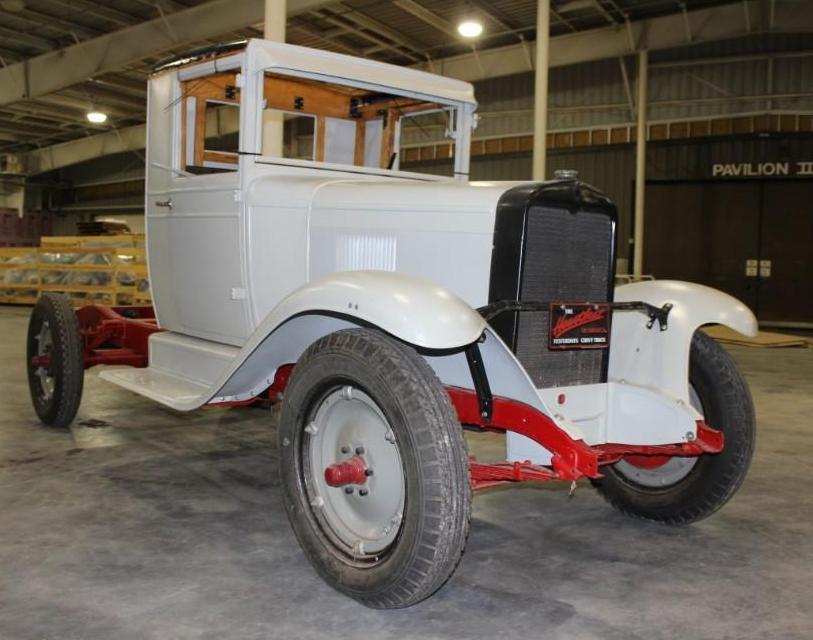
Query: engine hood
441,231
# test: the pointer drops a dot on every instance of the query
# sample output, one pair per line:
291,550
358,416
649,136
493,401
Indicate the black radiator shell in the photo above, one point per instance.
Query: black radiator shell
514,260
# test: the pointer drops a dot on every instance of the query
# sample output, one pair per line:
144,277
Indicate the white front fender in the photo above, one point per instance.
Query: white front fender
414,310
660,359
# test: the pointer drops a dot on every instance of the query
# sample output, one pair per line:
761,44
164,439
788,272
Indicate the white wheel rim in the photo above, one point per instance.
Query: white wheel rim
44,347
669,473
363,519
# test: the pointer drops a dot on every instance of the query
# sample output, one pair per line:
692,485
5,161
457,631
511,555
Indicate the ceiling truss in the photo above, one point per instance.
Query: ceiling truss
64,57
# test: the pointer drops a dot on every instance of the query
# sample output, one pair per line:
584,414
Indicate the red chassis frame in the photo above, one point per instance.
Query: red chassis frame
120,336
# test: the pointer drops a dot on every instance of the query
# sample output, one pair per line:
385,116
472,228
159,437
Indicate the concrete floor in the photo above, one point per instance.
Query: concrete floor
142,523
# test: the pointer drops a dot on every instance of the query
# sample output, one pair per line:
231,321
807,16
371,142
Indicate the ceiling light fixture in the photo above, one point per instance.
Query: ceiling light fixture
470,28
96,117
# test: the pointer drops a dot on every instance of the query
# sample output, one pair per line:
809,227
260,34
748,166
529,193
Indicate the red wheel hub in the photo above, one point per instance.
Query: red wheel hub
352,471
647,462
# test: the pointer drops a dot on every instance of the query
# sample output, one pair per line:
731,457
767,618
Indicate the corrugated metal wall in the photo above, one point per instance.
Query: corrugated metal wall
612,169
593,94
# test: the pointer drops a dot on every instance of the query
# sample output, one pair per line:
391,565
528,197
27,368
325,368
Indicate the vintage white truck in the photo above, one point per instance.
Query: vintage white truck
294,257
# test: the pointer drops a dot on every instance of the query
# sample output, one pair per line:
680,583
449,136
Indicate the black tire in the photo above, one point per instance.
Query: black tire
55,402
714,479
437,507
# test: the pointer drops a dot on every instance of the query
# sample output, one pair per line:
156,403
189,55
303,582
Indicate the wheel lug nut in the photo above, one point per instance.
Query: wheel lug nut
363,492
368,472
359,451
345,449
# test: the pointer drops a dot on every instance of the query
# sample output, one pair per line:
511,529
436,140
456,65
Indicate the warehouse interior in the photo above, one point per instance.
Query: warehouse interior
695,117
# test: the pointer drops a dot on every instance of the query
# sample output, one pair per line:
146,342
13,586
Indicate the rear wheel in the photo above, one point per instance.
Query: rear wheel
374,469
55,360
681,490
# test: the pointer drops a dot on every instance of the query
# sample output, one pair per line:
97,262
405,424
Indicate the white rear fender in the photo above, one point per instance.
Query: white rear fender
658,359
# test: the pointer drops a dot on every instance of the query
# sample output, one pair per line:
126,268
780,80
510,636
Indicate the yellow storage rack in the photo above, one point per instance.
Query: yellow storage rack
108,270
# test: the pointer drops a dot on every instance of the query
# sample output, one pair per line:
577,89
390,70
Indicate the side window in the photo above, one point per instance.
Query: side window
426,144
289,135
222,128
211,123
328,122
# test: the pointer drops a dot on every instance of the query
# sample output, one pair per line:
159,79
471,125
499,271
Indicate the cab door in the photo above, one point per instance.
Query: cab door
195,223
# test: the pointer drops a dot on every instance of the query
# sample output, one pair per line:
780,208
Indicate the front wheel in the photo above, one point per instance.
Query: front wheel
374,469
681,490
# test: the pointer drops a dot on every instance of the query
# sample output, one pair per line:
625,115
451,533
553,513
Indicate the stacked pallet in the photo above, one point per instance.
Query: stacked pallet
108,270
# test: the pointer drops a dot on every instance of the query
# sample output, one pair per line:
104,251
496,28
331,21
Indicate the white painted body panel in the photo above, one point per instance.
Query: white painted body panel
305,224
441,232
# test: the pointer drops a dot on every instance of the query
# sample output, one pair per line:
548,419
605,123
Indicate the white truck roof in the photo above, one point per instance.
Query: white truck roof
265,54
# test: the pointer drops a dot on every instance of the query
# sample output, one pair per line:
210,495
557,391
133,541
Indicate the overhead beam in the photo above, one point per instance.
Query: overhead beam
329,38
100,10
67,153
81,105
347,25
665,32
429,17
495,15
604,13
654,34
62,68
26,39
56,23
363,20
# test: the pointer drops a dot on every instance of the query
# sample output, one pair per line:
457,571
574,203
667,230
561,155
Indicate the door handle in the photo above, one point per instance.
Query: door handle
164,203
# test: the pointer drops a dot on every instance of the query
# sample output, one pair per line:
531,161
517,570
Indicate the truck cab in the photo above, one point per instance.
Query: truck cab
241,150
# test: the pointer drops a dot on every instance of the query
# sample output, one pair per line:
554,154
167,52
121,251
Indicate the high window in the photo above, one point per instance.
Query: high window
331,123
210,123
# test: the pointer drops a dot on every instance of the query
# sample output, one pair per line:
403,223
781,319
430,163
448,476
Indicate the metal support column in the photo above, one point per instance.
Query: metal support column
275,19
274,29
541,88
640,163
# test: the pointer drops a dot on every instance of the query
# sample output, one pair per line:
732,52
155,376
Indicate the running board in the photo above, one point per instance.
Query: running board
183,370
170,390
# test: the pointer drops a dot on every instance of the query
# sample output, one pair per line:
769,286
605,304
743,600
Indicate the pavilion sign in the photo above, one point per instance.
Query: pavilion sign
761,169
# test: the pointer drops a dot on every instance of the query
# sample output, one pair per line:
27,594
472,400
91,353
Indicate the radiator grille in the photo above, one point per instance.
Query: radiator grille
567,258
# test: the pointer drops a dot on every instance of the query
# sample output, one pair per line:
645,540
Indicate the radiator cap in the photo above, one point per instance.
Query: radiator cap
566,174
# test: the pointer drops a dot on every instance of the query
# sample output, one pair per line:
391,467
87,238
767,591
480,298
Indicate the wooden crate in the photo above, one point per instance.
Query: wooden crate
18,292
121,265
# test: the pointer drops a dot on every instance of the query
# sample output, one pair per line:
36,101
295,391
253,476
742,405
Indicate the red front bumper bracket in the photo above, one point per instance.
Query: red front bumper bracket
571,459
